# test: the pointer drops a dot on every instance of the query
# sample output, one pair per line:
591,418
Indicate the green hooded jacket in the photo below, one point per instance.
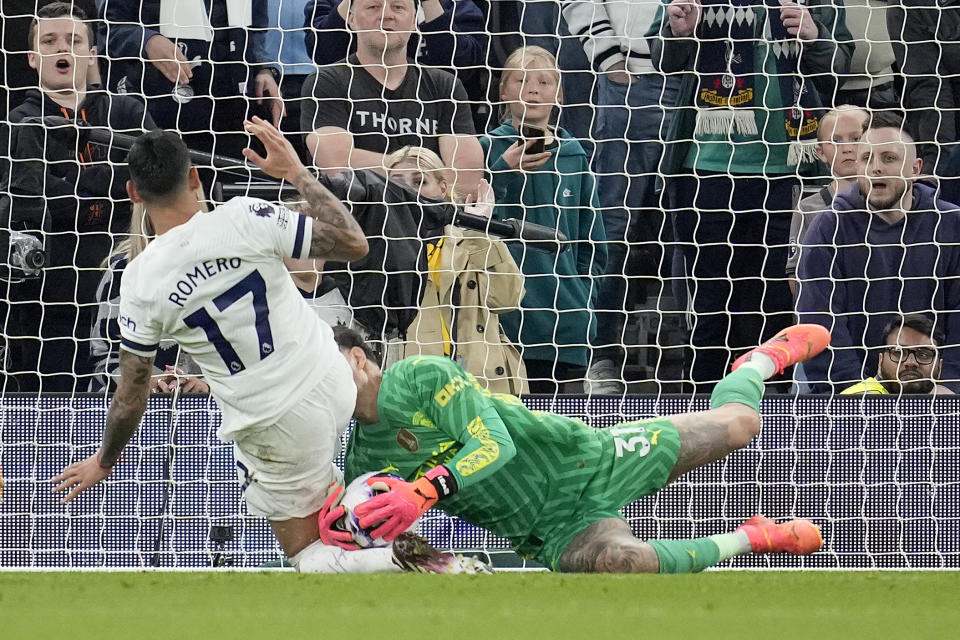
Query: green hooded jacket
556,315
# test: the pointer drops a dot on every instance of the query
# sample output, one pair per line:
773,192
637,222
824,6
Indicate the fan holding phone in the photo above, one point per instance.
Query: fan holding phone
541,174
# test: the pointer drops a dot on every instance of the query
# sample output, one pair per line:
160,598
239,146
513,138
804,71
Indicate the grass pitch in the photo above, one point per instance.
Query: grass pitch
214,605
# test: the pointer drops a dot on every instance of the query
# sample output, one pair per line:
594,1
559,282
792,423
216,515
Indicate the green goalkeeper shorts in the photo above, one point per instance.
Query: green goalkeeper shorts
636,461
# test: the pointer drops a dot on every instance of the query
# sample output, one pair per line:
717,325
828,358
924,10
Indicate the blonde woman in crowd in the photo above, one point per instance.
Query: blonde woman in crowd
472,279
542,175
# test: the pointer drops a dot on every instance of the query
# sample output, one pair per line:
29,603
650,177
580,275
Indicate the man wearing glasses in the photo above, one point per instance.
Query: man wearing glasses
910,362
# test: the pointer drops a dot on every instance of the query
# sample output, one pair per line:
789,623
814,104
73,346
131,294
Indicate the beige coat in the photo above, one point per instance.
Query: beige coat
472,281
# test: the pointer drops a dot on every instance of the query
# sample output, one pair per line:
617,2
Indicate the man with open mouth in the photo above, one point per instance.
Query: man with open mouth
888,246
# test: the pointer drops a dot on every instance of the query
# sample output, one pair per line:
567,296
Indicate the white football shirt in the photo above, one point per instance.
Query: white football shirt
218,286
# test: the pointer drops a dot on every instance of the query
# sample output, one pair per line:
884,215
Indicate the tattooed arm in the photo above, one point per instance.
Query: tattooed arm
336,235
123,418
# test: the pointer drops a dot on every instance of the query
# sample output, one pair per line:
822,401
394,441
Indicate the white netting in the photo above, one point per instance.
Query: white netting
674,180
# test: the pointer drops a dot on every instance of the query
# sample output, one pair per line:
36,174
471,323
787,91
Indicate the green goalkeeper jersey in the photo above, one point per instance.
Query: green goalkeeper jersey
517,470
535,478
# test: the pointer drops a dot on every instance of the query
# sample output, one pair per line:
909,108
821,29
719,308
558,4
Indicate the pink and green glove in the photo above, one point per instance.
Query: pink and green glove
330,513
402,502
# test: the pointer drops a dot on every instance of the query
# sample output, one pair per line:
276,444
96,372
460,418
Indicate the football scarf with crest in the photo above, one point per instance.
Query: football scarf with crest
727,95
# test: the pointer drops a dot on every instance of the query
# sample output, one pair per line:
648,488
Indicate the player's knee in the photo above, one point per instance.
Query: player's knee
628,556
318,558
622,555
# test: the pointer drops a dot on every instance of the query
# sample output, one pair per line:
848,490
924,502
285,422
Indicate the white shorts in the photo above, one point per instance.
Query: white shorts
285,468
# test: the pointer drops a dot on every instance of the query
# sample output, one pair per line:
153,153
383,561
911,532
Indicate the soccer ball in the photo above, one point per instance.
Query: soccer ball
356,492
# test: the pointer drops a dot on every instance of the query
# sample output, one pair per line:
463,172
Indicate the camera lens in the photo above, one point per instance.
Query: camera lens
34,259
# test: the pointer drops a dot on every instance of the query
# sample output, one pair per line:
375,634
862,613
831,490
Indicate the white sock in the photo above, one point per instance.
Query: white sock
732,544
762,364
319,558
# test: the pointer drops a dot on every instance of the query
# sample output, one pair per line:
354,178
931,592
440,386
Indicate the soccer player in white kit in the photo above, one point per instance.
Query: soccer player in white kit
216,283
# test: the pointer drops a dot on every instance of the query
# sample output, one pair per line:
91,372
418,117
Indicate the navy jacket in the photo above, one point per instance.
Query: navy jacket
856,271
129,25
75,190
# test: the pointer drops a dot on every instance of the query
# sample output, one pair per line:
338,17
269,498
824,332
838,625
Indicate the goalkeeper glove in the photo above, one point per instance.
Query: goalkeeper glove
403,502
330,514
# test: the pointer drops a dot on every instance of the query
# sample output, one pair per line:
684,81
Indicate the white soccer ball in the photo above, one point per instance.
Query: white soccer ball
356,492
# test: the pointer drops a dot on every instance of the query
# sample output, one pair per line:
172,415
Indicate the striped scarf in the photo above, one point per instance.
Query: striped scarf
726,98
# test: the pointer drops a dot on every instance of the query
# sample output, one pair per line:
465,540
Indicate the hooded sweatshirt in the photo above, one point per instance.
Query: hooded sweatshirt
856,271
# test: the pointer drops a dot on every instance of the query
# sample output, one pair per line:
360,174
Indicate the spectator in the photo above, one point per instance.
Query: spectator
554,188
384,289
907,337
287,44
195,60
838,143
376,101
472,280
75,191
168,368
451,35
867,258
870,83
633,114
750,113
926,38
15,76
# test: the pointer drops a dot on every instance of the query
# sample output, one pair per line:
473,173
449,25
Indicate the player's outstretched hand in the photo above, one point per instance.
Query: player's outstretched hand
326,522
398,508
80,476
282,161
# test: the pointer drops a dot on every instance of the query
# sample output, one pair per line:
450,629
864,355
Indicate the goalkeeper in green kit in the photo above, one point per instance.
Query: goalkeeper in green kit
551,484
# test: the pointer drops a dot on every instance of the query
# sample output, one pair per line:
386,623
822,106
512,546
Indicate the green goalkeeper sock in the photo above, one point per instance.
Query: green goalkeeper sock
692,556
686,556
745,386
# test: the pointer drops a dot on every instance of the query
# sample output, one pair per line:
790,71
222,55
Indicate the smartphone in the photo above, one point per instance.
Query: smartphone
538,135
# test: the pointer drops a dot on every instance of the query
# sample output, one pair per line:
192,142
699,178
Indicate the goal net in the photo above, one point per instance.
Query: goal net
663,222
881,477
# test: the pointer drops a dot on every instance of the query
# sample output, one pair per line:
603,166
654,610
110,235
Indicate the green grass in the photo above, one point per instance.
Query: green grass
214,605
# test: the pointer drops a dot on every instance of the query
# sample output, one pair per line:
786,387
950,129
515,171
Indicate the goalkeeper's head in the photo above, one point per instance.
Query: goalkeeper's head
161,175
365,363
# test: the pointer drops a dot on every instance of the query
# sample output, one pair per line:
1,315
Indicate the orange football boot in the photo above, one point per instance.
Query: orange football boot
799,537
792,345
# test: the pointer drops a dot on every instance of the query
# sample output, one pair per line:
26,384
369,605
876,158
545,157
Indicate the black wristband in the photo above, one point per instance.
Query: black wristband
443,482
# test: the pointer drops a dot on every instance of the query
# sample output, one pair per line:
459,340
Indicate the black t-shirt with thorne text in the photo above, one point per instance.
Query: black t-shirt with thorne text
429,103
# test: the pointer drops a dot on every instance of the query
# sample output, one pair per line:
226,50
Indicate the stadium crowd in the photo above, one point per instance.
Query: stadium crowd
719,169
